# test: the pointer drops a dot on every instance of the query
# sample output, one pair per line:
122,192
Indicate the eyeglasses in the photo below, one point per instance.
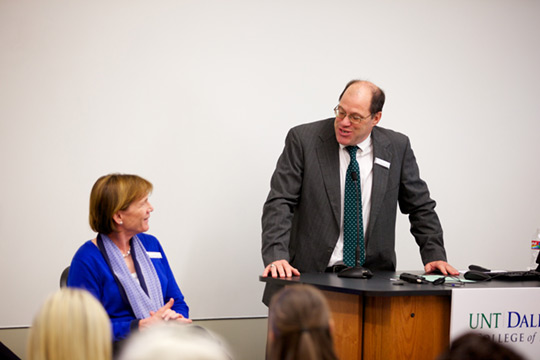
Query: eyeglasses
354,118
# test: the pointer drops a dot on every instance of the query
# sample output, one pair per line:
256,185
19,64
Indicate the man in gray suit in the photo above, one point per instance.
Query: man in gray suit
303,215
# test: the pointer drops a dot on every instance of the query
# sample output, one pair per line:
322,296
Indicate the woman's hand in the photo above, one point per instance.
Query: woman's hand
165,313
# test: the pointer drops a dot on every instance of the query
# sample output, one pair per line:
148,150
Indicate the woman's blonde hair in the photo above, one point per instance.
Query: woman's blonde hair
112,193
71,324
299,325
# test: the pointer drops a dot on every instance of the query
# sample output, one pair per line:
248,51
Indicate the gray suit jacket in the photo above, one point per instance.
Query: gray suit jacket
301,216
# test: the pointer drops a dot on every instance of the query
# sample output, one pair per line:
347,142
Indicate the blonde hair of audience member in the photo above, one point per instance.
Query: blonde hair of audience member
173,341
71,324
300,325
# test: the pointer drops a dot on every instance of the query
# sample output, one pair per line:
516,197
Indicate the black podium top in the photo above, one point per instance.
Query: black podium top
383,284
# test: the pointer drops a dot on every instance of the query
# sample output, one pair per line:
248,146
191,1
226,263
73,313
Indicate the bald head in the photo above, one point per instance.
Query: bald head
377,95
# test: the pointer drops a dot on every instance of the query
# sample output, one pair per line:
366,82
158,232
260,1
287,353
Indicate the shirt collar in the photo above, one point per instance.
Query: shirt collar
363,145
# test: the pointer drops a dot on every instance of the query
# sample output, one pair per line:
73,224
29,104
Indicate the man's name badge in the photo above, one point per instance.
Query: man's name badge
382,162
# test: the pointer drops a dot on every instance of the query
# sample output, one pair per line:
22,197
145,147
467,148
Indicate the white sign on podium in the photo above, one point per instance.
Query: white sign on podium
510,316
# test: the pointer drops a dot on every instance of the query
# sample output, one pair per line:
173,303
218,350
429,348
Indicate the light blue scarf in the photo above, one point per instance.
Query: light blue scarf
140,302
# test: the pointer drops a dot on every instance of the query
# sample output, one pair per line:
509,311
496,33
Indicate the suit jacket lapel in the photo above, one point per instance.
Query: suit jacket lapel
382,151
328,156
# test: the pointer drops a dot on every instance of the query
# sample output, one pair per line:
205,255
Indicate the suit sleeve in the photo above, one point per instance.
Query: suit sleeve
414,200
278,210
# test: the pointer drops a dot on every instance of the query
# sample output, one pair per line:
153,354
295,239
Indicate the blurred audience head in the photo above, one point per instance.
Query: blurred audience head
172,341
474,346
299,325
71,324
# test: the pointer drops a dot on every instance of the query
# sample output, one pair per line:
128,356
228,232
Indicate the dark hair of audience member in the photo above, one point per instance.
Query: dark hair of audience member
474,346
299,325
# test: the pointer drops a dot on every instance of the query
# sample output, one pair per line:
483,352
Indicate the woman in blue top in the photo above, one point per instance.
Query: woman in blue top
123,267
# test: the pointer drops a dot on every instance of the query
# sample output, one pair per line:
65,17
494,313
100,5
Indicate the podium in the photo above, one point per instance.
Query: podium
375,319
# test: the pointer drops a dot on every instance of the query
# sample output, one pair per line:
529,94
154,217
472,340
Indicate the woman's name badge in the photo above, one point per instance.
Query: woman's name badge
154,254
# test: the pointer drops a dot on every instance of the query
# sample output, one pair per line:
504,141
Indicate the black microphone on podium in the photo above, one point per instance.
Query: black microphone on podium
357,271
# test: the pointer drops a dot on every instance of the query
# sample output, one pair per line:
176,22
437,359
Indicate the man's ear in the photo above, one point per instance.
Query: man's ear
377,118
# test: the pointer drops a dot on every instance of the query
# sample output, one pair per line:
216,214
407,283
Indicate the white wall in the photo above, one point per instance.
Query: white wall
197,97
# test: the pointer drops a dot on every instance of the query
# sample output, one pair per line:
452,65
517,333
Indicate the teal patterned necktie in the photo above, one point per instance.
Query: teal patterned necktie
349,214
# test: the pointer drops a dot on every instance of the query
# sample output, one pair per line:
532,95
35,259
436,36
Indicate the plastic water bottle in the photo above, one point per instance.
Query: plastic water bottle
535,249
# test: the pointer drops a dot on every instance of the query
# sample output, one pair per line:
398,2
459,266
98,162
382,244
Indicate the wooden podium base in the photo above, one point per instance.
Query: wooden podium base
389,327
